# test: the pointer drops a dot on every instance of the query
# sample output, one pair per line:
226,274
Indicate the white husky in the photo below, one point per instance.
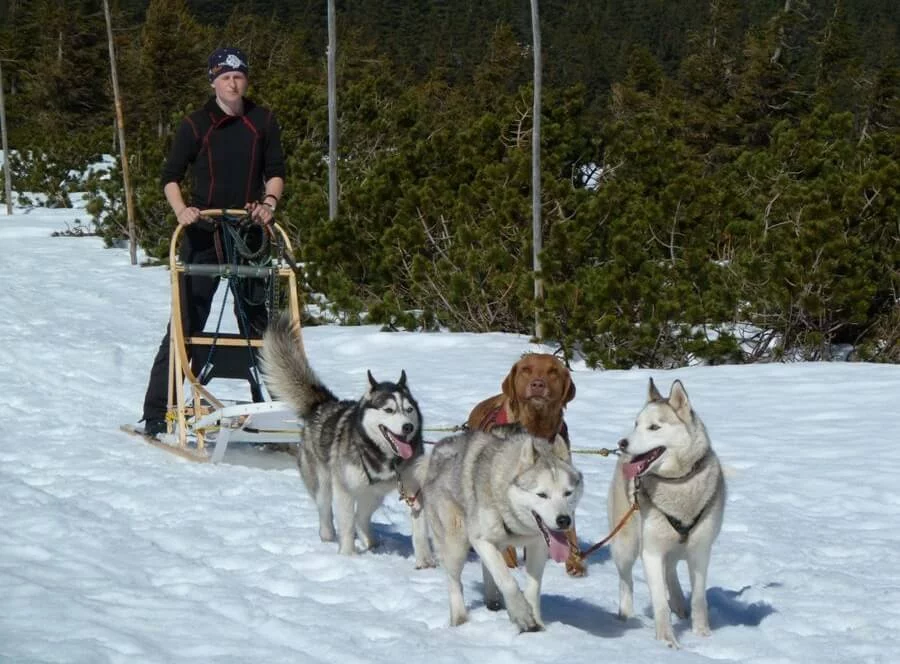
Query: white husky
499,489
669,467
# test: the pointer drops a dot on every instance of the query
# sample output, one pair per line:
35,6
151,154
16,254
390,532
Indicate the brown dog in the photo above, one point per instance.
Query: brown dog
535,393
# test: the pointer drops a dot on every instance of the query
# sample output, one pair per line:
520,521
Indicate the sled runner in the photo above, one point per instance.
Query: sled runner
256,264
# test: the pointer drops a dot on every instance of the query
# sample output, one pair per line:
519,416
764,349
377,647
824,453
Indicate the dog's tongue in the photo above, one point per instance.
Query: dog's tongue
405,449
559,546
632,469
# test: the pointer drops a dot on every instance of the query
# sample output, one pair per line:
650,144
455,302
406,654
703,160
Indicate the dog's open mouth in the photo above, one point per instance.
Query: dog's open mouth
555,539
641,463
400,446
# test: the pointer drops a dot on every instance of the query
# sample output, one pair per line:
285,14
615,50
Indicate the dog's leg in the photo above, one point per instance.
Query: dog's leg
421,545
624,549
698,565
413,479
344,503
535,562
454,551
654,569
625,546
317,479
520,611
676,596
493,600
447,527
366,504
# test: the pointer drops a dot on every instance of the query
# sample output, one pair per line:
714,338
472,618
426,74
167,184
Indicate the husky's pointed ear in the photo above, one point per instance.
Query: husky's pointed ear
529,454
678,399
652,393
402,382
372,382
560,448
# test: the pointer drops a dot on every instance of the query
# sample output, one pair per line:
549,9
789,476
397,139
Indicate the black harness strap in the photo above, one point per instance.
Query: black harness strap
393,464
683,530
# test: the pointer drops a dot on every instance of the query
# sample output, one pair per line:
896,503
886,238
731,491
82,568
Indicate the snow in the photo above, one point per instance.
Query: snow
114,551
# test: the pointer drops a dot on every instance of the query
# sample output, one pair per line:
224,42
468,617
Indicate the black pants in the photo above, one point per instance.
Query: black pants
197,294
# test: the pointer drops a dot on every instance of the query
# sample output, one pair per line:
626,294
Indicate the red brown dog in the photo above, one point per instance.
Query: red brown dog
535,394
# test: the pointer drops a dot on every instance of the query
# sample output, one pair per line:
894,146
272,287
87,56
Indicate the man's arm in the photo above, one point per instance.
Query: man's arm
184,214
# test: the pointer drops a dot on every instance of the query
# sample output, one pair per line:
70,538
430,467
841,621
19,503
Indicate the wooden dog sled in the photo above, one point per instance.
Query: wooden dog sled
200,425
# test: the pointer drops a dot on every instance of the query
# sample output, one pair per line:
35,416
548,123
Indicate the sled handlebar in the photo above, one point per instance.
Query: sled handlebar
224,212
221,213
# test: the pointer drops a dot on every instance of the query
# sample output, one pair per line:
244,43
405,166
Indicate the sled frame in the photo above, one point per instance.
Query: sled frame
195,416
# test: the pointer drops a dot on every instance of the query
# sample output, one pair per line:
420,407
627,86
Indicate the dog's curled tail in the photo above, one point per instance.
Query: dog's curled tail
286,371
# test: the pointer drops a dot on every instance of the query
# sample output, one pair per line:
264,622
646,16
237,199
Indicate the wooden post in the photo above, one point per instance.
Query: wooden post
7,171
123,154
536,233
332,116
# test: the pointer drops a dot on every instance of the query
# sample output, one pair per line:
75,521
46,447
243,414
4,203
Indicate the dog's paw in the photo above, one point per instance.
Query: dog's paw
701,630
459,619
366,542
425,563
679,610
522,615
665,633
326,534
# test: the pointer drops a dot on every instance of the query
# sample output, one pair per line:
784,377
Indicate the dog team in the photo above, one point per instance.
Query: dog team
507,482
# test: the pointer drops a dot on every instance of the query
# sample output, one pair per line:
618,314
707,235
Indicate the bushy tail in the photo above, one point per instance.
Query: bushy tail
286,372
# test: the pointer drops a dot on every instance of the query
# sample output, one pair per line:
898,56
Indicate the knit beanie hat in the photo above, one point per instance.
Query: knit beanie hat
226,59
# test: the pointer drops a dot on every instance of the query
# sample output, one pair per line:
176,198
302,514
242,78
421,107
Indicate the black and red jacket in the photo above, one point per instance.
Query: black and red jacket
230,157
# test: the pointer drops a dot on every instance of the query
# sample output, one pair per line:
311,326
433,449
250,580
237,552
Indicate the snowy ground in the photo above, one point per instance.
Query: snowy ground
114,551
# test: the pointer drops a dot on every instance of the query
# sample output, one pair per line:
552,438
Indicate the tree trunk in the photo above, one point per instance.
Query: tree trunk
332,115
7,175
536,233
120,121
777,54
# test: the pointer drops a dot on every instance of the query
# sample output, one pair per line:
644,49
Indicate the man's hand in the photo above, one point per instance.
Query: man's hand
187,216
262,213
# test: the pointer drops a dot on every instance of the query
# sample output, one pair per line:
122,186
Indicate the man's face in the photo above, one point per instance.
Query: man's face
230,86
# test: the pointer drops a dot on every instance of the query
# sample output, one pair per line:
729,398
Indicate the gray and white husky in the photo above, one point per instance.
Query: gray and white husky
354,452
670,467
499,489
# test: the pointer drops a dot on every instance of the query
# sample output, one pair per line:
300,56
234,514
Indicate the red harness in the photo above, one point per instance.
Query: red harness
493,418
498,416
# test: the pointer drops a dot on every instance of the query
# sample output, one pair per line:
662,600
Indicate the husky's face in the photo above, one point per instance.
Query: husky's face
546,491
664,440
391,417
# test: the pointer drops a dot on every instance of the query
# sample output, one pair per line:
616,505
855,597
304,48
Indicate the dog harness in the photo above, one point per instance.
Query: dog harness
683,529
498,416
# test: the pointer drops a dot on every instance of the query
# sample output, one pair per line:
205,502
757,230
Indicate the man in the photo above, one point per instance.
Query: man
233,150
